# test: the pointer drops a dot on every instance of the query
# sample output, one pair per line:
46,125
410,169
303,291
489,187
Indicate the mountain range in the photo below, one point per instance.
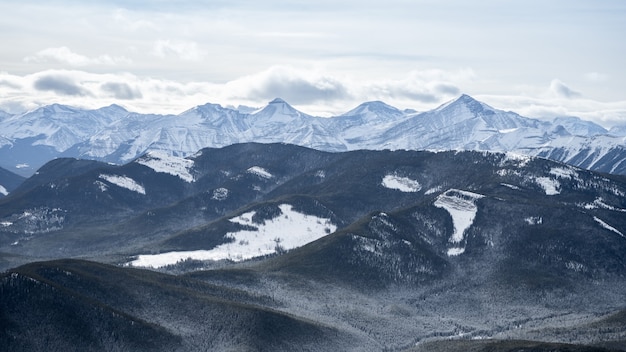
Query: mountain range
265,246
113,134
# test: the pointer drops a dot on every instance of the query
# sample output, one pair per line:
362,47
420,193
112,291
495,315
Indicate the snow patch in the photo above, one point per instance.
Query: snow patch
534,220
564,173
455,251
35,221
607,226
403,184
259,171
462,208
510,186
165,163
599,203
509,130
21,166
578,267
101,185
519,159
124,182
289,230
433,190
220,194
550,186
3,191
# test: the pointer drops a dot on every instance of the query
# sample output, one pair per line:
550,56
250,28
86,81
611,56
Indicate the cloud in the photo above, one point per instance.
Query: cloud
121,90
313,91
60,85
295,86
420,86
559,89
9,84
606,114
64,55
184,50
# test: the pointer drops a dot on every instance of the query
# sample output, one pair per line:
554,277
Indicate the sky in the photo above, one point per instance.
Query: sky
539,58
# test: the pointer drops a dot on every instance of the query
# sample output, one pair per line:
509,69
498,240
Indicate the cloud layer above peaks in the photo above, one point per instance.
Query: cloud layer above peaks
536,57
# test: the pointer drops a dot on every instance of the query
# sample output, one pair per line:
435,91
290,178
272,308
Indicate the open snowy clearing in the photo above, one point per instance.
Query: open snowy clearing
259,171
164,163
399,183
462,208
550,186
124,182
289,230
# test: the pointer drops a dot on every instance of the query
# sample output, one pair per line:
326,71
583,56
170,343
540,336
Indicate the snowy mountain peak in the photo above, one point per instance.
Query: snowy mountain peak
278,101
279,110
204,109
375,107
113,108
578,127
468,103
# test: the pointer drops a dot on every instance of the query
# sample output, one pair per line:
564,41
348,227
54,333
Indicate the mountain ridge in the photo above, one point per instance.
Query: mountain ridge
281,247
113,134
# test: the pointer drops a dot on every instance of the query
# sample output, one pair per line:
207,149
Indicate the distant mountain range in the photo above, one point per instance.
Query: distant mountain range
285,248
112,134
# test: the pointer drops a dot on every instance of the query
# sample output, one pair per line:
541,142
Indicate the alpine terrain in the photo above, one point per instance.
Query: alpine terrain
112,134
279,247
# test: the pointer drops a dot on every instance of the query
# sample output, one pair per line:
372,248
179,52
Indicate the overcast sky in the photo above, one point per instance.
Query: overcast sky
540,58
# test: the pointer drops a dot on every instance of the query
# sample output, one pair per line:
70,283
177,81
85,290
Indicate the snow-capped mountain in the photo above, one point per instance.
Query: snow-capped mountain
114,135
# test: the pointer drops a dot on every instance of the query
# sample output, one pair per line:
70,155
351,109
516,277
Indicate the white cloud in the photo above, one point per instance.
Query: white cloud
293,85
559,89
312,90
64,55
420,87
544,106
184,50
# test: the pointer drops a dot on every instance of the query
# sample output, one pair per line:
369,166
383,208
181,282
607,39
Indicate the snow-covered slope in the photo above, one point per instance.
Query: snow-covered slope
112,134
290,229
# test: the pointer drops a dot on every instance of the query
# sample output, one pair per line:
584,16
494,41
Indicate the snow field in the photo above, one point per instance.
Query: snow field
562,172
289,230
550,186
462,208
164,163
403,184
124,182
3,190
259,171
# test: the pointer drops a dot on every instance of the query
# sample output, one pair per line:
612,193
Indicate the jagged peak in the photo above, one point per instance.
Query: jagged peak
469,102
280,107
